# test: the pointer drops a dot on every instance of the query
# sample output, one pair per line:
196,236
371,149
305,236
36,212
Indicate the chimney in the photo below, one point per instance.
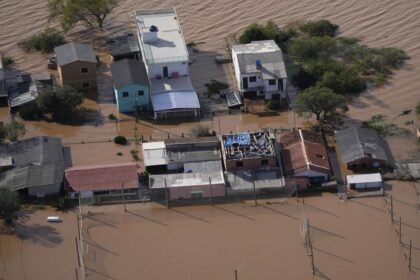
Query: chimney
258,64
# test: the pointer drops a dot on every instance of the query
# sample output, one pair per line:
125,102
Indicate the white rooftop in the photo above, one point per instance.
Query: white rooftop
154,153
257,47
170,45
364,178
170,100
171,84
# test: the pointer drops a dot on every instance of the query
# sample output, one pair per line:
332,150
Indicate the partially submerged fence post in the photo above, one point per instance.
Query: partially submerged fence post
409,257
392,210
400,232
211,192
123,191
311,251
166,195
255,192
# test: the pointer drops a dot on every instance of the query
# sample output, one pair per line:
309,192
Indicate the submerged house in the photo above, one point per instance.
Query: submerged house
34,166
131,85
107,179
304,155
166,59
260,70
361,148
189,168
76,65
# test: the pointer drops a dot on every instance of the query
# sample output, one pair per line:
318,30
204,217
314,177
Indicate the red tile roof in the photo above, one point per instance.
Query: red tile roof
102,177
304,151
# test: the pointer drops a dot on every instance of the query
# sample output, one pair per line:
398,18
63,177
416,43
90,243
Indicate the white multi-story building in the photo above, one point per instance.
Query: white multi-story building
259,69
165,56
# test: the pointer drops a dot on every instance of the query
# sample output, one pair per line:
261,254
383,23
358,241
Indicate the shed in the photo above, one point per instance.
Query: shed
364,181
154,154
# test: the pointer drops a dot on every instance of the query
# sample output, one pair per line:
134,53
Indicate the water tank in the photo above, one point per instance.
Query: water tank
153,28
258,64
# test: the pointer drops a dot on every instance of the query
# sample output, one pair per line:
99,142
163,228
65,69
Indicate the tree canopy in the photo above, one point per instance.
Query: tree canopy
92,13
319,101
12,131
44,42
9,205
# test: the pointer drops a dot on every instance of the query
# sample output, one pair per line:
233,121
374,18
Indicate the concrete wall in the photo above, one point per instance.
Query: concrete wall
250,163
218,190
371,185
366,163
70,74
128,104
47,190
157,69
311,173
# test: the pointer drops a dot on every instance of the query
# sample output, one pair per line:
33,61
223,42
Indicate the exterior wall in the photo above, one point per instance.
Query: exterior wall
157,69
47,190
366,163
128,104
311,173
250,163
217,190
370,185
71,75
236,68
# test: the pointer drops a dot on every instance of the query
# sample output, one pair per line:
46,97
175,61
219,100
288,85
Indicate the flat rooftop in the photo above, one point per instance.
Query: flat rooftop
170,45
171,84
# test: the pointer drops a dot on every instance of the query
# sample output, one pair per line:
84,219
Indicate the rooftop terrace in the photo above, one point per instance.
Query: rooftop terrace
161,36
247,145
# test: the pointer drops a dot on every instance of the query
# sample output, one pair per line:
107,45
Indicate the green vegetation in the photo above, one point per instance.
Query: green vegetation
418,108
378,123
91,13
273,104
320,59
6,60
134,154
12,131
44,42
120,140
9,205
319,101
62,105
200,131
215,86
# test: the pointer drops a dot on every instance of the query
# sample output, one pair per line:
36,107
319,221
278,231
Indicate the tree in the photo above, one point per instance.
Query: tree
200,131
70,12
319,101
319,28
14,130
9,205
62,103
30,112
44,42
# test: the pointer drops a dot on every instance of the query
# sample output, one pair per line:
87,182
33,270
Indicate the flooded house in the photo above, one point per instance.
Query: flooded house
252,163
3,92
304,155
34,166
166,59
260,71
76,65
361,148
131,85
187,168
102,181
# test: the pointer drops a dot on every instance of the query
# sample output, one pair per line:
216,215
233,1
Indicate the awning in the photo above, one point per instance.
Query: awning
170,100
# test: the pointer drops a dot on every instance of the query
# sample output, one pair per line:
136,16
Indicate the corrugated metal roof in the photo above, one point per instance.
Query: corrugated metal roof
129,71
171,84
267,52
103,177
358,142
72,52
241,180
175,100
364,178
37,161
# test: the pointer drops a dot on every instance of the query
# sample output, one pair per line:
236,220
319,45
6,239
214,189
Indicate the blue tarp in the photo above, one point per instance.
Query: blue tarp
242,139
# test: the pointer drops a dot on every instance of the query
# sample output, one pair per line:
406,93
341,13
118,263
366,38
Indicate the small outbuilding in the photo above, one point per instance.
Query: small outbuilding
364,181
131,85
76,65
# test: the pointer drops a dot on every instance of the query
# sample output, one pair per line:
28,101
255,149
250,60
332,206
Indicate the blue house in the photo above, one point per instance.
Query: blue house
131,85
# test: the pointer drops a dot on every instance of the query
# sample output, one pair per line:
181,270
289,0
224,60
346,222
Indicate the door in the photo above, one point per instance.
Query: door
165,71
245,83
280,84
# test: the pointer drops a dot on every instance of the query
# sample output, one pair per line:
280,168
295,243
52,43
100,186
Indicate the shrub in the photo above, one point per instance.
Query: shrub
273,104
418,108
319,28
43,42
6,60
119,154
30,112
200,131
377,122
215,86
120,140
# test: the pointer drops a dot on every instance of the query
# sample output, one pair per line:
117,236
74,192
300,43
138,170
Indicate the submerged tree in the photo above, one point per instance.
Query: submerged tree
9,205
12,131
70,12
319,101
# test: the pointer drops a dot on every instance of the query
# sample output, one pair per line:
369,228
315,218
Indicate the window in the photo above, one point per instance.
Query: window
264,162
252,79
239,164
84,70
197,194
320,156
140,93
86,85
125,94
272,82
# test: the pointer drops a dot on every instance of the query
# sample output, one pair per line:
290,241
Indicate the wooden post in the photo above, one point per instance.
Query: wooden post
409,257
400,232
211,192
392,210
77,275
255,192
296,188
77,250
123,190
236,274
166,195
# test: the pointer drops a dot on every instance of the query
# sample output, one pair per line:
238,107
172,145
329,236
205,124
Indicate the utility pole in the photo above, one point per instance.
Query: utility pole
166,195
311,250
236,274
